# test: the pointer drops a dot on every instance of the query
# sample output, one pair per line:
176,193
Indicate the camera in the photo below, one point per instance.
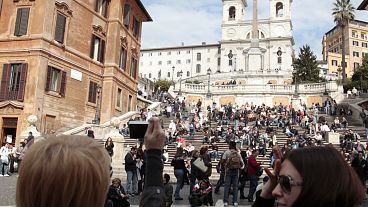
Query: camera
137,129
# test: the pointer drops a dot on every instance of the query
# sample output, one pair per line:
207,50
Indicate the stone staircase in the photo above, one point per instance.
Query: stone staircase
197,142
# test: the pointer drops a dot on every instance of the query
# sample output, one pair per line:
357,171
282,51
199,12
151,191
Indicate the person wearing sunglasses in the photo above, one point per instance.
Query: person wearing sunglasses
314,176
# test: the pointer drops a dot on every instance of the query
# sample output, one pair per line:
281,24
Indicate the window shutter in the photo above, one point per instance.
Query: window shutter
126,15
96,5
101,54
106,7
48,78
22,82
60,28
63,83
21,24
5,82
92,46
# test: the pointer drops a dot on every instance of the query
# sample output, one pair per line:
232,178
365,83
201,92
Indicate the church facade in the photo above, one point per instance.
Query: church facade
260,51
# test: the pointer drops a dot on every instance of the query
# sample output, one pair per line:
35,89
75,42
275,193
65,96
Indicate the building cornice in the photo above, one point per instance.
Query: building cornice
180,47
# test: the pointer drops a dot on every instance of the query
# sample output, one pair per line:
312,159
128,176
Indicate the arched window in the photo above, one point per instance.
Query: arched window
248,36
262,35
232,13
279,9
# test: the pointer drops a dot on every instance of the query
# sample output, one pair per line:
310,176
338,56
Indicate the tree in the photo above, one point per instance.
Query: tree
343,11
360,77
164,85
306,66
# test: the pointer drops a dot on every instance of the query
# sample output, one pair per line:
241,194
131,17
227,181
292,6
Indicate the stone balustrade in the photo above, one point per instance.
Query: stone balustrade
269,88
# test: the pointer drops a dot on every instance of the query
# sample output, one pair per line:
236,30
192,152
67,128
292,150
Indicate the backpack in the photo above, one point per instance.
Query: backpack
233,161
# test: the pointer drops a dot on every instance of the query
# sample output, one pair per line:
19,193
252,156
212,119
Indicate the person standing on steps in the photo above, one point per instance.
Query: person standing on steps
131,170
179,169
234,162
253,166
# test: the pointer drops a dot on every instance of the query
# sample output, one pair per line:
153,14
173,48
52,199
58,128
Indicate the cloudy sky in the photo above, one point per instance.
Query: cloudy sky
196,21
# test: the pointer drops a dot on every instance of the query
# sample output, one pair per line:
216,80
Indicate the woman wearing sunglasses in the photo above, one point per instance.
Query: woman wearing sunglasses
315,176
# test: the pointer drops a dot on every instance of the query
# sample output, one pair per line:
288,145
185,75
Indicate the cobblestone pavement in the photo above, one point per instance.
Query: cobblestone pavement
8,186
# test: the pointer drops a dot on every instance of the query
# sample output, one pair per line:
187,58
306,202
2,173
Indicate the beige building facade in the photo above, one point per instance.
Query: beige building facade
68,62
356,45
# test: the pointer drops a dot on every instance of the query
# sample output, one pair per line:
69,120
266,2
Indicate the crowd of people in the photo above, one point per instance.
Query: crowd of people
249,131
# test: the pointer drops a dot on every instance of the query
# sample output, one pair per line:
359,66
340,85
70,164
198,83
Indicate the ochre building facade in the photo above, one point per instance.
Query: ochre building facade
68,62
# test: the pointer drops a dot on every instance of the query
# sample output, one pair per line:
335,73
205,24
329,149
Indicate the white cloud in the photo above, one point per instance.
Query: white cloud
196,21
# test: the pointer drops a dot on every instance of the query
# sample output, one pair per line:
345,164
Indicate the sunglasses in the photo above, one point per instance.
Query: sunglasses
286,182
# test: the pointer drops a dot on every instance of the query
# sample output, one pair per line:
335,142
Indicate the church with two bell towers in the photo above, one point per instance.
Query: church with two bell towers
258,51
257,44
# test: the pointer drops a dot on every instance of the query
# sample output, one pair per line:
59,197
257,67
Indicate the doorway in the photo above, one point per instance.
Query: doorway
9,130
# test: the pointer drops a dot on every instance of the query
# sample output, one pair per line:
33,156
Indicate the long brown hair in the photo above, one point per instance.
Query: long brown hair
328,181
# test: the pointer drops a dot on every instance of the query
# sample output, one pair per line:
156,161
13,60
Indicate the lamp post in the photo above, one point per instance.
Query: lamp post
172,77
339,70
97,115
209,80
325,93
180,74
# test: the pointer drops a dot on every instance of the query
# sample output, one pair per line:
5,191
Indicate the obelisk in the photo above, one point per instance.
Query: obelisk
255,57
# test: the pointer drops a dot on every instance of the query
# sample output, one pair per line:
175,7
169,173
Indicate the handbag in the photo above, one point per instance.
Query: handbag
200,164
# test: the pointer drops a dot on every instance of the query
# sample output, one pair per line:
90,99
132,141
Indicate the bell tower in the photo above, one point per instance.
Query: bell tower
233,11
280,9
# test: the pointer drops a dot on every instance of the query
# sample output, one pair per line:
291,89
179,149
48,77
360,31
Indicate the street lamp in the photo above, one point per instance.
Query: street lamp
172,77
97,115
209,80
180,74
339,70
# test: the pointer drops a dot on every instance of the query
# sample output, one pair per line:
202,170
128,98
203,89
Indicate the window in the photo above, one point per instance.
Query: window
188,51
150,54
136,26
133,68
355,43
199,56
363,36
178,62
232,12
92,92
56,80
101,7
187,61
13,82
208,50
208,60
169,62
168,53
159,54
1,5
198,68
60,28
149,75
21,23
355,54
159,74
354,34
97,49
118,98
159,62
364,44
230,62
123,59
279,60
168,74
356,66
279,9
126,15
218,61
130,103
178,74
188,73
219,50
178,52
334,62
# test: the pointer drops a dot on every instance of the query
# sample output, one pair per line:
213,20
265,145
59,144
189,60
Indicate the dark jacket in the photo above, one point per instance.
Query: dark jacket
178,163
114,195
153,193
168,193
130,163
